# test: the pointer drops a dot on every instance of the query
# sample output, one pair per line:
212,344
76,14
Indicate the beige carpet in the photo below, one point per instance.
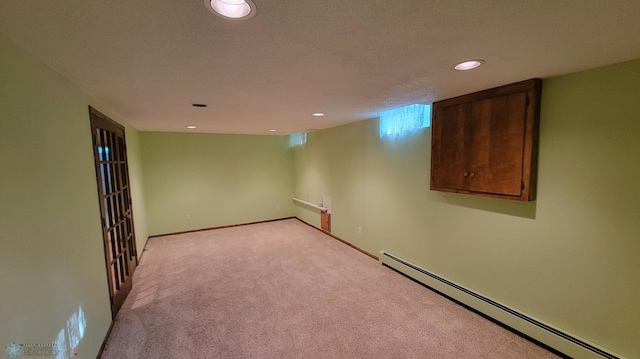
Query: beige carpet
285,290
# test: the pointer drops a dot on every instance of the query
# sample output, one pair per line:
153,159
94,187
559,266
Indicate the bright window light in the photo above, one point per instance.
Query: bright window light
403,120
297,139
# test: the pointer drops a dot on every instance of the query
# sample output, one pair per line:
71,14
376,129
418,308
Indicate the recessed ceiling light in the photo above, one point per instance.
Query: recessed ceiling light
191,127
317,114
232,9
273,130
198,105
469,65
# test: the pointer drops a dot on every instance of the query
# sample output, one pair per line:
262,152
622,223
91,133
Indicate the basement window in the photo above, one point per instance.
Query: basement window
297,139
404,120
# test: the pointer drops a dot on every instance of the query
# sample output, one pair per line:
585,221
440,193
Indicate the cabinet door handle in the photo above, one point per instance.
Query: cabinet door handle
466,174
472,174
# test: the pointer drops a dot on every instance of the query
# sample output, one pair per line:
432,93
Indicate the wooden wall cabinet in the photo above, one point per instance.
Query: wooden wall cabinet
486,143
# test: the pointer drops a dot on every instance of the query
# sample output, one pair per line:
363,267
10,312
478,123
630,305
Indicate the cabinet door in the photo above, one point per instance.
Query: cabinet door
486,143
448,141
494,145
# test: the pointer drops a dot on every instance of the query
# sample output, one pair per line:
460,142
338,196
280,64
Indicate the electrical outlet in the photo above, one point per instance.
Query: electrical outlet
277,205
359,230
188,217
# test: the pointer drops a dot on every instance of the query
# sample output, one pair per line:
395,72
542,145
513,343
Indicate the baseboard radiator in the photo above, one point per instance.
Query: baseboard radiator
544,333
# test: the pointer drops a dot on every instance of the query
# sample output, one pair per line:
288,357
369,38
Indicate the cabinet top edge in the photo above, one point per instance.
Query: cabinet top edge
534,84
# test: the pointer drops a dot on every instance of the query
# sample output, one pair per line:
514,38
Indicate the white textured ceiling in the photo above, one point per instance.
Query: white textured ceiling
147,61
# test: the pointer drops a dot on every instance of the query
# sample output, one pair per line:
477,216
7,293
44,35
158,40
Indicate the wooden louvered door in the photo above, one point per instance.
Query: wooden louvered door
110,153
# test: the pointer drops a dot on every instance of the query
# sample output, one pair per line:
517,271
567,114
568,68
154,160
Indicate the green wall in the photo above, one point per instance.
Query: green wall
51,252
134,158
571,258
195,181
